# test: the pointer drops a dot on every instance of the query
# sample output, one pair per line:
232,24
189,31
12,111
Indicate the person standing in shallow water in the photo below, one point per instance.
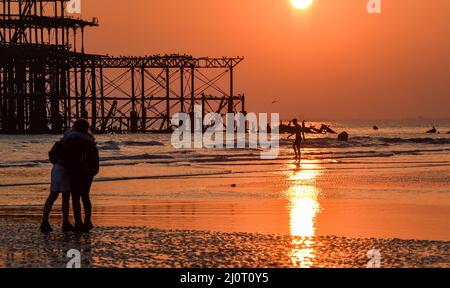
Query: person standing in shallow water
82,160
299,133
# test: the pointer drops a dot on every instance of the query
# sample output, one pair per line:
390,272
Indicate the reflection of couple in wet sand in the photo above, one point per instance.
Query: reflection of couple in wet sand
299,132
75,160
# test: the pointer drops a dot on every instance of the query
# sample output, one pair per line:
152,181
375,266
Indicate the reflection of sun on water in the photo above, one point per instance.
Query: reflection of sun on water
301,4
303,206
306,172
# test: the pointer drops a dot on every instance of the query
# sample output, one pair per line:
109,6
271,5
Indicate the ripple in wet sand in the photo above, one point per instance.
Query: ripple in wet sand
21,245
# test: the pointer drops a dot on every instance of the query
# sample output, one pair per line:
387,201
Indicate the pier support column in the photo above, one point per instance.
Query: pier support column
94,98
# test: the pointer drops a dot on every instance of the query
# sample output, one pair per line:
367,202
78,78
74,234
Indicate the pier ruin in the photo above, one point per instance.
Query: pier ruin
48,80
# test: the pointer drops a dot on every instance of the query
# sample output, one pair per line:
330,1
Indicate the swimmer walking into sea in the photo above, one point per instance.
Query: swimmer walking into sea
299,133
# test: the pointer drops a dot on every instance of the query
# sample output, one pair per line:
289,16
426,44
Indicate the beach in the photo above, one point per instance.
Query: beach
140,247
156,206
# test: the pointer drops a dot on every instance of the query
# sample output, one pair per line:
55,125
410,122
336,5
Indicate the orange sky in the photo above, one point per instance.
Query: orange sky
332,61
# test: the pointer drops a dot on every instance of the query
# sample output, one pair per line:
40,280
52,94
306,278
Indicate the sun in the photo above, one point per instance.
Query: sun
301,4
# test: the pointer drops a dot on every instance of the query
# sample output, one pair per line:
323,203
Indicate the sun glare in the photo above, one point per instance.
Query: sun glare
301,4
303,208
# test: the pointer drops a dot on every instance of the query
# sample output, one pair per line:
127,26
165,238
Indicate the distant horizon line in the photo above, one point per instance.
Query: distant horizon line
329,119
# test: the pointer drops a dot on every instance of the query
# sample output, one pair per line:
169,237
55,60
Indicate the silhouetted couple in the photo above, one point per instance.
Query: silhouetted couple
75,160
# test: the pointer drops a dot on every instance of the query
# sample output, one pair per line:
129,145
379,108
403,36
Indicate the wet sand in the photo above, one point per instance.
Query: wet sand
261,214
275,197
21,245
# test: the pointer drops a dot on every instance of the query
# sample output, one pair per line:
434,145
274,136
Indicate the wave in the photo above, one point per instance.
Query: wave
358,141
398,152
366,141
116,145
36,163
128,178
142,143
319,148
136,157
225,173
430,141
24,164
193,156
109,145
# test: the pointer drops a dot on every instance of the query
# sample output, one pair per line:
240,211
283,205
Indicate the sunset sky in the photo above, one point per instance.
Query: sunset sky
330,61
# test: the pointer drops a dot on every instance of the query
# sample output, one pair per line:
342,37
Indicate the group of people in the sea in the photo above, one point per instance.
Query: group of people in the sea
324,129
434,131
75,160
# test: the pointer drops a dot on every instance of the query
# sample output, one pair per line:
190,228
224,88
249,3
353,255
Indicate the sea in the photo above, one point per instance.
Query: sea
392,140
396,172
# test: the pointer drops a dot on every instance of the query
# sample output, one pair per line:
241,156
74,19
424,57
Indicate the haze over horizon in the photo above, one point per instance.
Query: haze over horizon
330,61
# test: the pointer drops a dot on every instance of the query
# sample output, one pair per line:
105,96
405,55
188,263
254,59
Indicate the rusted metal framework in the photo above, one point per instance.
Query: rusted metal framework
47,80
